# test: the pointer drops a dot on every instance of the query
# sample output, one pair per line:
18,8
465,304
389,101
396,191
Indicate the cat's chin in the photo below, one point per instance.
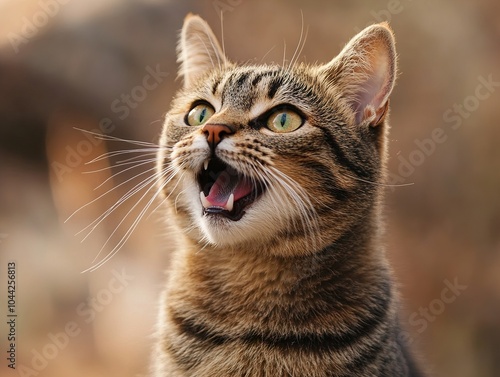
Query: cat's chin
224,232
253,225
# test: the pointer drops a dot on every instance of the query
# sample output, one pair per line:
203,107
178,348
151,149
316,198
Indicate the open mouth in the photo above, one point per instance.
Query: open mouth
224,191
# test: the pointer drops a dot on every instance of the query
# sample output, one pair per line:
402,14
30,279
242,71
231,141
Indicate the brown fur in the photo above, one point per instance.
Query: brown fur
299,286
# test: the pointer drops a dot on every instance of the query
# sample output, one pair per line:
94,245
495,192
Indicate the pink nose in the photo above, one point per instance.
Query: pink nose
215,133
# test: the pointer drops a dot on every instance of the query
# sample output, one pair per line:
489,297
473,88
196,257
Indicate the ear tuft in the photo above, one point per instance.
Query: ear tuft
365,72
198,50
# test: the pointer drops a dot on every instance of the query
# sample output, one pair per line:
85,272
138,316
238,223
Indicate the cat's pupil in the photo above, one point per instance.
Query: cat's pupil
202,115
283,119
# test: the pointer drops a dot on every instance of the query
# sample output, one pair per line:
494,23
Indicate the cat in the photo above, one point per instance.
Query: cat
273,177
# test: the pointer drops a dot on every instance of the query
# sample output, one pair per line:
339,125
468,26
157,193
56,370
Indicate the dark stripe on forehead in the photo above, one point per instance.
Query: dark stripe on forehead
216,85
236,79
260,76
273,87
237,92
257,79
243,77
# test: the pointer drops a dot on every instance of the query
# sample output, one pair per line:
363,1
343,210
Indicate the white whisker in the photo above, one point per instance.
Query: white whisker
107,192
177,197
222,32
156,178
134,225
144,162
300,44
267,53
154,152
122,200
284,55
108,155
300,197
121,164
165,198
381,184
114,138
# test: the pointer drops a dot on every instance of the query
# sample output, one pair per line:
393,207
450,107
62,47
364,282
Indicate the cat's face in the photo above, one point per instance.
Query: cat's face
272,155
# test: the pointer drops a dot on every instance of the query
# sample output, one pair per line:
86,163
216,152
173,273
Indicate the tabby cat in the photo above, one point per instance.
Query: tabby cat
273,177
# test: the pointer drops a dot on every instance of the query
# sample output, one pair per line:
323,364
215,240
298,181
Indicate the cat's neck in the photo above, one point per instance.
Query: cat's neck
357,248
342,277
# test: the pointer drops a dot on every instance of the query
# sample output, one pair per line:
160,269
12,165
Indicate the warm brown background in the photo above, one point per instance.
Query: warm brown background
445,228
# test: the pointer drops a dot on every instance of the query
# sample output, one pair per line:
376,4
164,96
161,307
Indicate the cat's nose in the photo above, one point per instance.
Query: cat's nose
215,133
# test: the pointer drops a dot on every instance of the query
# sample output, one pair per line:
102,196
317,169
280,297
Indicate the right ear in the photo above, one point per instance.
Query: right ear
365,72
198,50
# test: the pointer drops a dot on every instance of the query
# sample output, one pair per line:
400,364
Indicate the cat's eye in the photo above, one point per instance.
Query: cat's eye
199,114
283,121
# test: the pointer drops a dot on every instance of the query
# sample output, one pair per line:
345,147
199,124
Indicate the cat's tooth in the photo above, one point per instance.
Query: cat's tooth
205,164
230,203
204,200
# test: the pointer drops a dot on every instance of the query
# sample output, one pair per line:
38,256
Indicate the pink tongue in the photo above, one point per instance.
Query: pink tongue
225,185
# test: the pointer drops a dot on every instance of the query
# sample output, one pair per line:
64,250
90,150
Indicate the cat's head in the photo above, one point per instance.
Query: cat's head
276,157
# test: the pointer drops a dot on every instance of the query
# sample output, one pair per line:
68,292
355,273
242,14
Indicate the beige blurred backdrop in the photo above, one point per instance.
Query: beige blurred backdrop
109,67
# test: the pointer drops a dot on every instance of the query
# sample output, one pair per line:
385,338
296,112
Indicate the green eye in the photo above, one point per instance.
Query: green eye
284,121
199,114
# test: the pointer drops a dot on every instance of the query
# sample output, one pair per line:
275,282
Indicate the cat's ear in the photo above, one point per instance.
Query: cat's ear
364,73
198,50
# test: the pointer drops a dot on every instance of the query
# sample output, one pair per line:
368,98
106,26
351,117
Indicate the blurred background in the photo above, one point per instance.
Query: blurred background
110,67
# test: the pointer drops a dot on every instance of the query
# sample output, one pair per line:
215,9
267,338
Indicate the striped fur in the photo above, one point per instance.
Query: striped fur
299,286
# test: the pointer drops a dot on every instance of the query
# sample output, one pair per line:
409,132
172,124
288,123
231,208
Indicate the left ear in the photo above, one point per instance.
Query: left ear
364,73
198,50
